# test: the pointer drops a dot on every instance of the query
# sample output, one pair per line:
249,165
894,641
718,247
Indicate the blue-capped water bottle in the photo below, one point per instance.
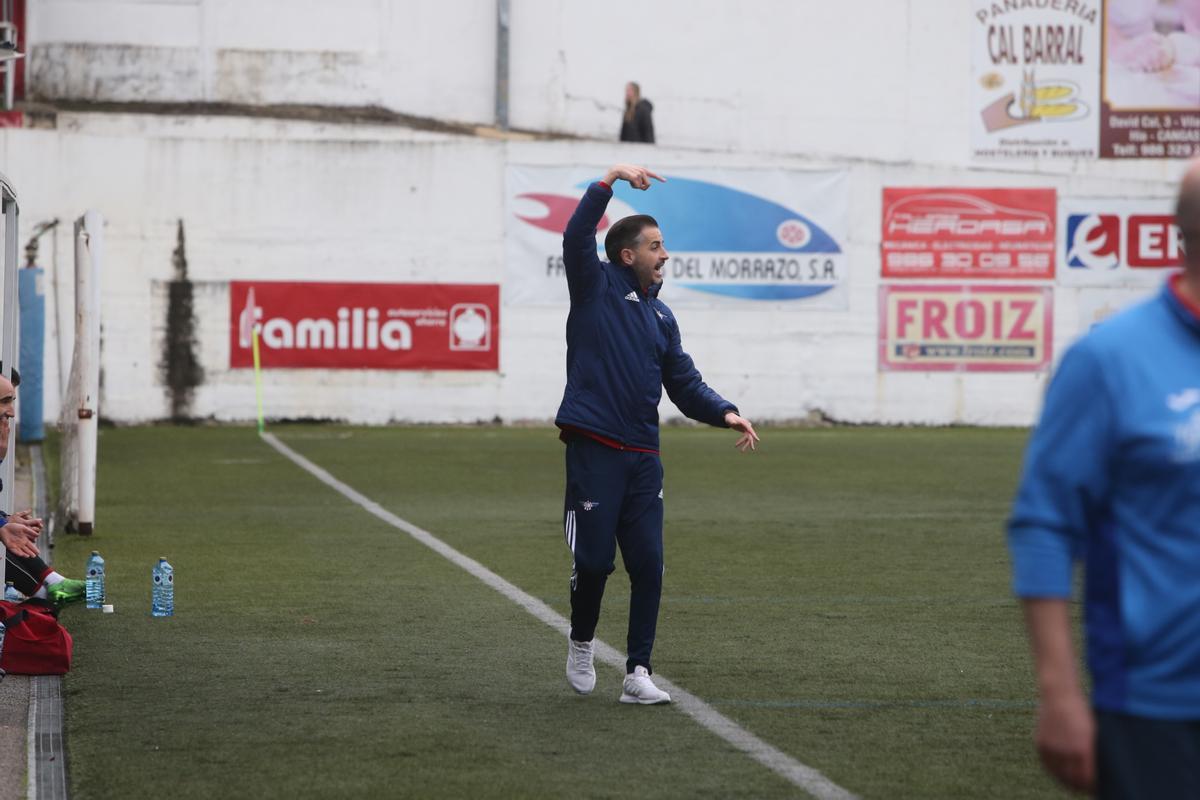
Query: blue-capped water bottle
12,594
162,599
94,580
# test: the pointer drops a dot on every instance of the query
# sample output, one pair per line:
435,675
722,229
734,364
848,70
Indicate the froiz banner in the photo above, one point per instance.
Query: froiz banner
365,325
735,236
965,327
1107,241
1035,78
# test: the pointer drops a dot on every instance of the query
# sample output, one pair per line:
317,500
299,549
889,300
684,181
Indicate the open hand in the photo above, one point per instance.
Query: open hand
27,518
749,439
637,177
1066,741
19,539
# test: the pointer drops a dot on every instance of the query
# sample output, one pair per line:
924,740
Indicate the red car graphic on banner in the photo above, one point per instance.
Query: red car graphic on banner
398,326
968,233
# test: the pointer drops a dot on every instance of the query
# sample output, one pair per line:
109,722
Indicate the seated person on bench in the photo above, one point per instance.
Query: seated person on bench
19,532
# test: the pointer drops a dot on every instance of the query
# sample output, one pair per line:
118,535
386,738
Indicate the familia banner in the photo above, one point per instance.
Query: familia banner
736,237
396,326
965,327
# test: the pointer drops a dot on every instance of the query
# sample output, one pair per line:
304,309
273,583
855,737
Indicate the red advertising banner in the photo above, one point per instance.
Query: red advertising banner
365,325
968,233
1150,80
965,328
1154,241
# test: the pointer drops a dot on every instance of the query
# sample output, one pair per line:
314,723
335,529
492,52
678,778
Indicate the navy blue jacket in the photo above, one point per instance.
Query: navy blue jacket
623,345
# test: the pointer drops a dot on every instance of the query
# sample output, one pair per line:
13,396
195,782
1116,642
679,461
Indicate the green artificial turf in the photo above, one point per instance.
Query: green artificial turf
842,593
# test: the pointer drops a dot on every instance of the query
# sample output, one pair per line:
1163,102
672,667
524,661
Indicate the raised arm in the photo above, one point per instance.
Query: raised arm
579,239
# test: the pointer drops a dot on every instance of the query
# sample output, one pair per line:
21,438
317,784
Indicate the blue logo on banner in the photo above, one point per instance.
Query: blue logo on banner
1093,241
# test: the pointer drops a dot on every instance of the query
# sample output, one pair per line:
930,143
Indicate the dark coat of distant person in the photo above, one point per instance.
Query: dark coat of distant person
637,125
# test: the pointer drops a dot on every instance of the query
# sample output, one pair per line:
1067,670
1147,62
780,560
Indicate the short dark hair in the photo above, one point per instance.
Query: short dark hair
624,234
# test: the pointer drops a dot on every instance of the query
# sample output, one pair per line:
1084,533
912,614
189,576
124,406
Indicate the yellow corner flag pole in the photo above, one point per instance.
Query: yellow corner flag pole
257,378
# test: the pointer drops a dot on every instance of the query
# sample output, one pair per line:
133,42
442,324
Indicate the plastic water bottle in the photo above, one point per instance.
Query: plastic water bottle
94,580
162,602
3,630
11,594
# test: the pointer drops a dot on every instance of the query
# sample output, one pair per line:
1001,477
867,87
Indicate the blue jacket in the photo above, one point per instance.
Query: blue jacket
1112,477
623,345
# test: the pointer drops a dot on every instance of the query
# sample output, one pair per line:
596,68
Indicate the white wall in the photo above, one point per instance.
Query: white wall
884,80
429,59
878,88
301,201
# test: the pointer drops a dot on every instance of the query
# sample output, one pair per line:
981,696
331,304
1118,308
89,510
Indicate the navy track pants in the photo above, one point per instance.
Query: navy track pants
614,498
1146,759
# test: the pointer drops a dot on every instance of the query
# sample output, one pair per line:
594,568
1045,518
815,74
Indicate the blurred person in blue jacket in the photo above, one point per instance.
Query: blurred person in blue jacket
1112,479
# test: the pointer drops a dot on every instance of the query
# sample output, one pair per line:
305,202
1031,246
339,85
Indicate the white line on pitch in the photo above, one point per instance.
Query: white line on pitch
771,757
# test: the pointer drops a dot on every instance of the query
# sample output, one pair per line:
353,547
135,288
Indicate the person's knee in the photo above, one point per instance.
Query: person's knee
647,568
593,567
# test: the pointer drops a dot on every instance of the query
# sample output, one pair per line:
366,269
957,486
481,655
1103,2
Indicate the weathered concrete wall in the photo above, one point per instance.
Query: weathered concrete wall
880,89
879,80
303,201
431,59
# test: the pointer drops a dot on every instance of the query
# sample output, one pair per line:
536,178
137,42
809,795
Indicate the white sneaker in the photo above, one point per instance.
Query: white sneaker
581,673
639,688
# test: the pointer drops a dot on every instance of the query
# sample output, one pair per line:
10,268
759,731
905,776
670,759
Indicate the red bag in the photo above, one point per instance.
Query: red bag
35,645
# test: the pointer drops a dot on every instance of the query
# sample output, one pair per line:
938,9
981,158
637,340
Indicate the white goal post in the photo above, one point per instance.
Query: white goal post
80,413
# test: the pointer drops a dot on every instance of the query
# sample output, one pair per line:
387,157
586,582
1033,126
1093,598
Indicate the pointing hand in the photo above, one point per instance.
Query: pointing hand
637,177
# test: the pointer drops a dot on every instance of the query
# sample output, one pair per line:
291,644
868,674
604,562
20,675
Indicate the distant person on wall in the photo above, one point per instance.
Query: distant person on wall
638,123
19,532
1112,478
623,348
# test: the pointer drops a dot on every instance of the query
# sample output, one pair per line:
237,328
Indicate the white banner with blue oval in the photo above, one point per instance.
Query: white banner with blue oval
735,236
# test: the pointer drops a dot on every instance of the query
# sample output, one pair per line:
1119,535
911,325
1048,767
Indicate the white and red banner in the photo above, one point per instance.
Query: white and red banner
967,233
1035,79
398,326
965,327
1150,84
1108,241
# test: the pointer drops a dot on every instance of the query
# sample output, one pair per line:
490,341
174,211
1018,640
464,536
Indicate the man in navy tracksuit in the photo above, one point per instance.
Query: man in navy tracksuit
623,347
1112,478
